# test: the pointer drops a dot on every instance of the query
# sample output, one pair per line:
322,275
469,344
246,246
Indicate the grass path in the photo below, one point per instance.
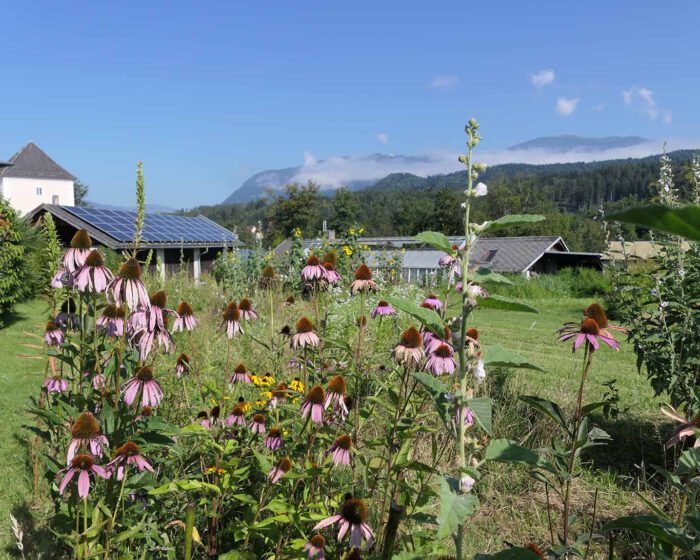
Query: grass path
20,378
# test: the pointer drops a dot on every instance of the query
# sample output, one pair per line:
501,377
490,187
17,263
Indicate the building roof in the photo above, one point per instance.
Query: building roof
500,254
635,250
32,162
115,228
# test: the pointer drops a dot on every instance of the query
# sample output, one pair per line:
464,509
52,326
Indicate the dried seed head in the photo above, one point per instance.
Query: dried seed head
183,359
83,461
184,309
361,321
232,313
331,257
268,272
316,395
129,449
81,240
304,325
596,312
410,338
443,351
85,426
312,261
245,305
355,511
131,270
363,273
337,385
144,374
344,442
159,299
94,259
215,412
473,333
285,331
590,326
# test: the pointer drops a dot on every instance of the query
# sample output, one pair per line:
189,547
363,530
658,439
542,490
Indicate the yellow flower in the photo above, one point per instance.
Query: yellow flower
347,250
403,249
361,230
365,247
255,379
296,232
297,385
266,380
260,403
212,470
245,405
266,395
352,231
295,400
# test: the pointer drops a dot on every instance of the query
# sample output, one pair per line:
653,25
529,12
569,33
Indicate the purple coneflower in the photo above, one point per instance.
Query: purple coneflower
62,278
596,312
53,335
267,278
246,308
332,276
313,403
282,467
341,450
86,433
237,417
128,455
93,276
588,332
160,336
278,394
336,393
363,281
127,287
432,302
409,350
182,366
468,416
473,290
274,441
211,418
240,375
155,316
231,322
257,426
431,342
111,320
185,320
78,251
315,547
143,381
686,429
67,318
56,384
289,301
82,465
441,361
98,381
383,309
304,335
313,271
352,517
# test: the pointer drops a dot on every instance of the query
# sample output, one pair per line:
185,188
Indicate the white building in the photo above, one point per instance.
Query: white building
33,178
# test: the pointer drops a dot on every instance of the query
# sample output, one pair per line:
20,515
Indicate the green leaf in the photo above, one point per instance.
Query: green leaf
486,277
549,408
482,409
511,220
427,317
689,461
500,302
454,508
437,390
660,530
683,221
435,239
507,451
497,356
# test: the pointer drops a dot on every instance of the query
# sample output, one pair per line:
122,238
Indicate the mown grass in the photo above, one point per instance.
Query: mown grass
513,506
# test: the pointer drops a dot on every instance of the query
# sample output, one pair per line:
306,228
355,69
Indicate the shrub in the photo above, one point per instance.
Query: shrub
11,259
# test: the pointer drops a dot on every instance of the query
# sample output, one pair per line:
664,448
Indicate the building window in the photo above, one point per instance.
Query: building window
54,199
39,190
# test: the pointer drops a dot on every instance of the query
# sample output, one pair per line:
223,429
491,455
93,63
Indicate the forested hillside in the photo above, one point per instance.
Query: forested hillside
570,195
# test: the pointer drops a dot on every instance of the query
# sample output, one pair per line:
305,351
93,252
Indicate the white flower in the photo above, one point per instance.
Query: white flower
481,189
466,483
479,371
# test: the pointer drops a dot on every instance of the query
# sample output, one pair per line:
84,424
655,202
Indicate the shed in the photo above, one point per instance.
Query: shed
192,240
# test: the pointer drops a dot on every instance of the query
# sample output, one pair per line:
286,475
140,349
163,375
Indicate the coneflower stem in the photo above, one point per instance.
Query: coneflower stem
120,500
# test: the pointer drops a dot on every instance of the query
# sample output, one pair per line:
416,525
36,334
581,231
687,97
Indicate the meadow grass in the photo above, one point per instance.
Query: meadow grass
513,506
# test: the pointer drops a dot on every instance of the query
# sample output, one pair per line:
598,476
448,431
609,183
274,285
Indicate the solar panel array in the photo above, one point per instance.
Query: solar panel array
157,228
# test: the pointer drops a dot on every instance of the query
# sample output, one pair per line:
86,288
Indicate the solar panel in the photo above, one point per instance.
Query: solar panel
157,228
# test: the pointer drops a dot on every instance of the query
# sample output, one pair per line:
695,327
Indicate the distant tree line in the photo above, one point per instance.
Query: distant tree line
569,195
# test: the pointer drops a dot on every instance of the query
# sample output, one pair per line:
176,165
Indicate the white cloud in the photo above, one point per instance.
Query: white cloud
565,106
443,82
383,137
598,108
542,78
309,159
642,99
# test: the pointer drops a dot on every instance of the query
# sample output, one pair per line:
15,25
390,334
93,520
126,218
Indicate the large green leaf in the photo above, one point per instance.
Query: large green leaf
435,239
454,508
549,408
507,451
689,461
487,277
482,409
683,221
437,390
660,530
512,220
497,356
427,317
500,302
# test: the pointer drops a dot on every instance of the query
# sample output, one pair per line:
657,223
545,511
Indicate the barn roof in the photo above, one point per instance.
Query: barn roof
32,162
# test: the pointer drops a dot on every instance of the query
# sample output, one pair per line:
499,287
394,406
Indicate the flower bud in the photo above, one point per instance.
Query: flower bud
466,483
473,123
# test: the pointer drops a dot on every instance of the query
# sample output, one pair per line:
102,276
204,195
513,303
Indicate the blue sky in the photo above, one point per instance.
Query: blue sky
206,94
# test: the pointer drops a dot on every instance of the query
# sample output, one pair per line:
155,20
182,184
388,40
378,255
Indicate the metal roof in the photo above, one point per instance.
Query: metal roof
32,162
115,228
